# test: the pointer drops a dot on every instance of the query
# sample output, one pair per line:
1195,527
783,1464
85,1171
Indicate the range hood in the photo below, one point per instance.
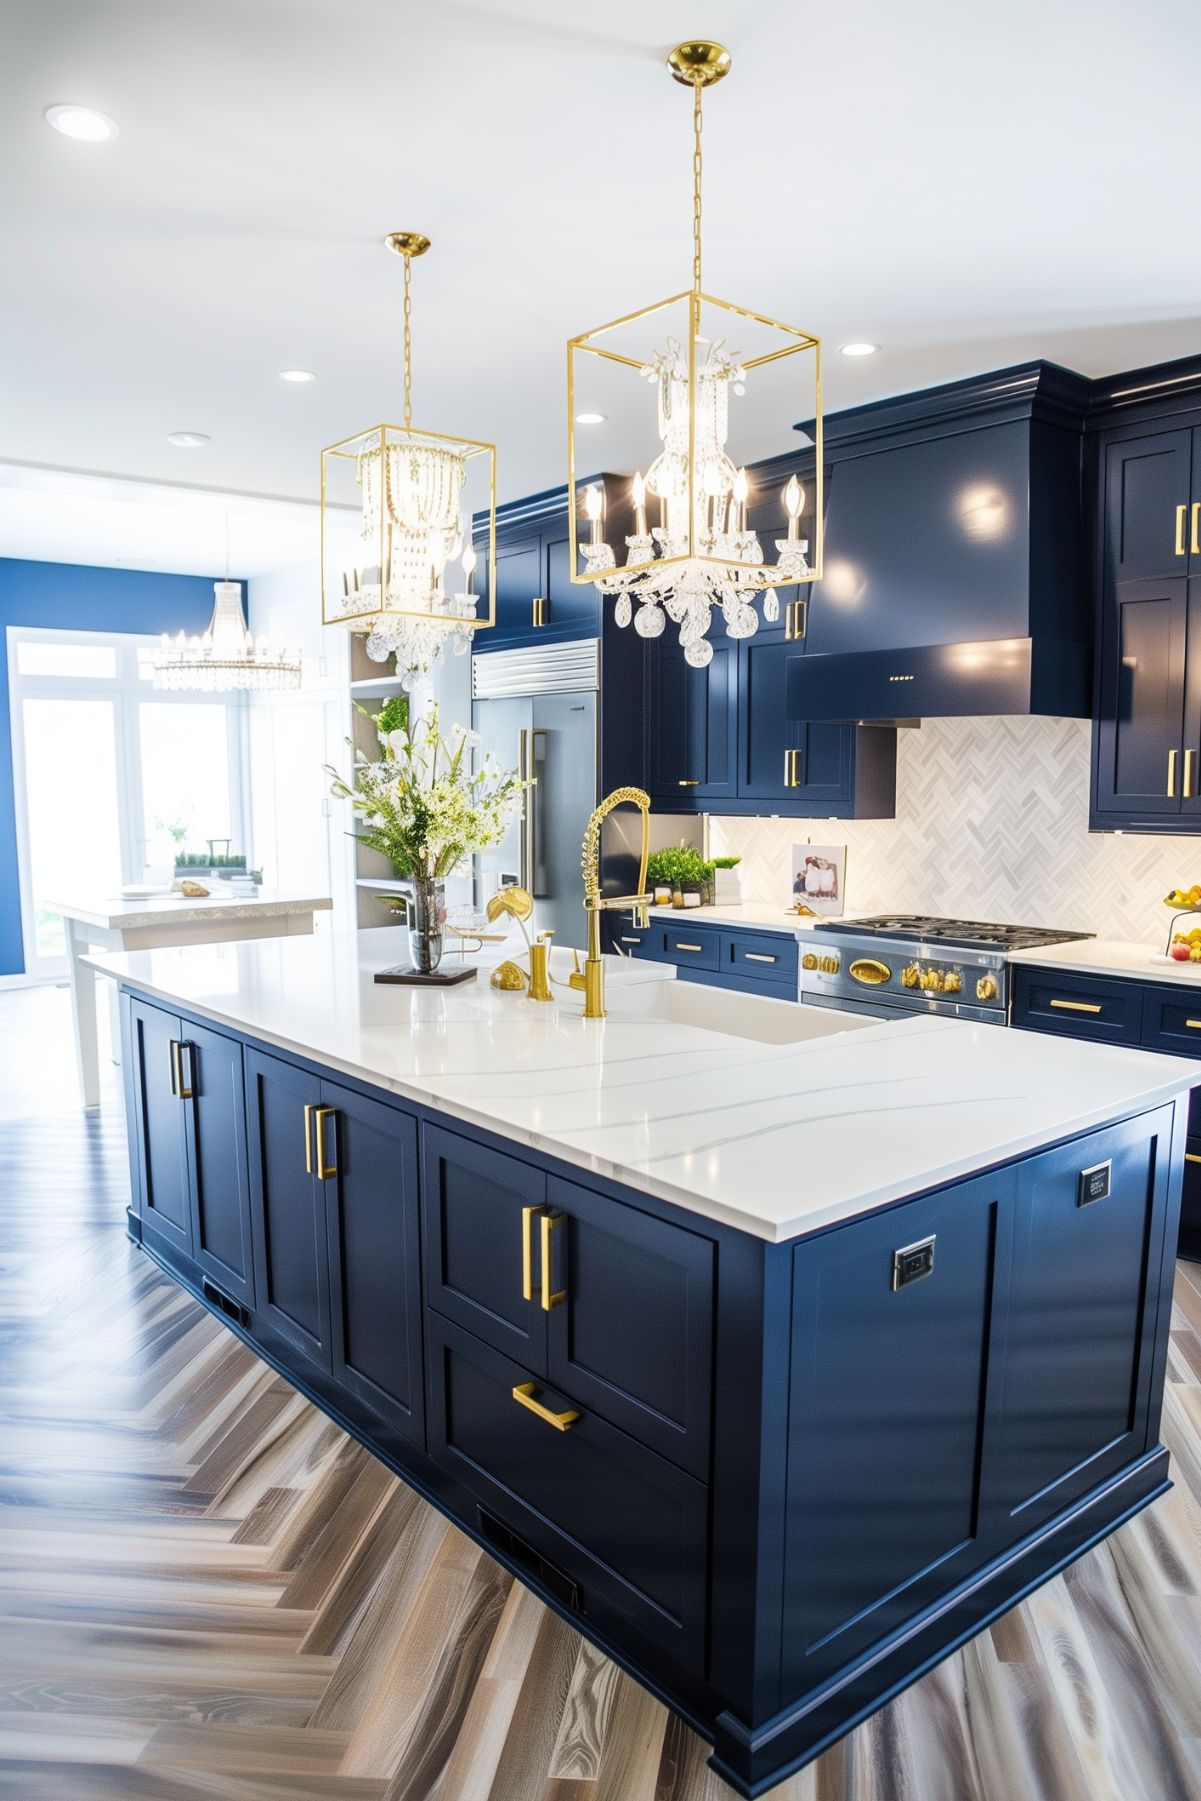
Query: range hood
954,574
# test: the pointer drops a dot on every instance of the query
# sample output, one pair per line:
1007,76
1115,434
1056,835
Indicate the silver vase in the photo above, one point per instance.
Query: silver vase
427,912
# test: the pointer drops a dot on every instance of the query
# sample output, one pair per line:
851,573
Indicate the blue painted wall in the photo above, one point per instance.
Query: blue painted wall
76,597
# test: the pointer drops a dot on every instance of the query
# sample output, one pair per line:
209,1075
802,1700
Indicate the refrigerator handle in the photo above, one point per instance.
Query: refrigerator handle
527,808
537,796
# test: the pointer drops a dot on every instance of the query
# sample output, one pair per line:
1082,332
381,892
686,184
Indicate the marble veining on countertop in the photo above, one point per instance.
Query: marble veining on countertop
1117,957
122,911
775,1139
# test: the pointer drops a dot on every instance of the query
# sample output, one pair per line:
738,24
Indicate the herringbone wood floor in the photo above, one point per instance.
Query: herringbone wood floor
207,1590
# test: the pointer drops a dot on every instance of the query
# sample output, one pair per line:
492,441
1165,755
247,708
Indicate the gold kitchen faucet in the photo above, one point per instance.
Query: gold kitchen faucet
592,981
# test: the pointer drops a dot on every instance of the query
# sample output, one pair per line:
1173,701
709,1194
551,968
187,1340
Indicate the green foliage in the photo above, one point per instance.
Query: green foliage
393,716
726,862
679,866
192,860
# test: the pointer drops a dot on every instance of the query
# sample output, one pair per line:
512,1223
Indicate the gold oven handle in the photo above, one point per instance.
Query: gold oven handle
550,1223
324,1170
527,1252
870,972
523,1394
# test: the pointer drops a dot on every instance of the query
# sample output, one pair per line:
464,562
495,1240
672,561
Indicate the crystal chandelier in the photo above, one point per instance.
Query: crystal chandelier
404,574
225,658
701,552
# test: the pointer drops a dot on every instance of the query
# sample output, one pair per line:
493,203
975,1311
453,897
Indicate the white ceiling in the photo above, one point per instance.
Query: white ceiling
967,185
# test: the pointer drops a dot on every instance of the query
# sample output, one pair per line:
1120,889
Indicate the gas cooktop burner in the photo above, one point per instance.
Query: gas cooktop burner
952,931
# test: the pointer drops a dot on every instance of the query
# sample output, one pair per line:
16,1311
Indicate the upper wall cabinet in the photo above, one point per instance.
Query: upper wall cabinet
536,600
1147,736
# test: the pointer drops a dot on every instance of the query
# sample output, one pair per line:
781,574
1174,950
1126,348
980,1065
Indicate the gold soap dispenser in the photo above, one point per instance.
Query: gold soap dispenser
539,989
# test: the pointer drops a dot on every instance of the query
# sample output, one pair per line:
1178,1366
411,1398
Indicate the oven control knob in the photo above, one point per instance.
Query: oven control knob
871,972
952,982
911,975
829,966
986,988
809,961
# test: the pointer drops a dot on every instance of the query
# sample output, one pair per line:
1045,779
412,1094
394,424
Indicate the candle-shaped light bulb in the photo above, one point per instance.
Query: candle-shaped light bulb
638,490
594,504
470,560
794,500
742,488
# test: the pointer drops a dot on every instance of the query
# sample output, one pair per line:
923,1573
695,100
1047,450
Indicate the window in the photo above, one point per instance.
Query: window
110,782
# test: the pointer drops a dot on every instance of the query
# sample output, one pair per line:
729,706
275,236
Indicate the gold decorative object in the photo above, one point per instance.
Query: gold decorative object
539,989
517,902
400,506
702,550
193,890
595,903
509,977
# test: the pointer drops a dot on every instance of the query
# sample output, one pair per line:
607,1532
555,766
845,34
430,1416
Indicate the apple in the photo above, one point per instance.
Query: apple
1180,952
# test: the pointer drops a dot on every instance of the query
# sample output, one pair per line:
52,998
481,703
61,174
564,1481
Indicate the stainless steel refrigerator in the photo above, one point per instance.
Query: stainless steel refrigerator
536,711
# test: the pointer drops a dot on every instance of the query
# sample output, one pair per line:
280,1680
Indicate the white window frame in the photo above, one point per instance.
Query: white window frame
126,689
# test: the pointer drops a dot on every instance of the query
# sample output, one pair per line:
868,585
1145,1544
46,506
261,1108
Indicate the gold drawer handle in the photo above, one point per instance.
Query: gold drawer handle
523,1394
1195,543
309,1111
1188,774
1077,1006
1194,1025
539,612
867,970
689,947
692,784
758,957
177,1082
1180,513
550,1223
320,1115
527,1252
1191,1157
792,768
1172,774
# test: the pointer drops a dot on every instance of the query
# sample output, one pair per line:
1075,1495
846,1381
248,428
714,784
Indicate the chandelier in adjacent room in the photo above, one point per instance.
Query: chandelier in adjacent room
700,551
226,657
398,557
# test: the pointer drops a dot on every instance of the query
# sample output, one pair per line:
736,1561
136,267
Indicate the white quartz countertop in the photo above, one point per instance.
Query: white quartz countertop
115,911
1116,957
775,1139
757,916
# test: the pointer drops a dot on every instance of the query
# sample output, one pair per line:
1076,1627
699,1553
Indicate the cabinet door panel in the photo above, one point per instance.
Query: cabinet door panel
669,688
885,1423
288,1206
1146,482
1189,787
160,1126
473,1201
1074,1394
626,1525
1140,730
518,581
572,608
632,1337
374,1254
217,1148
716,720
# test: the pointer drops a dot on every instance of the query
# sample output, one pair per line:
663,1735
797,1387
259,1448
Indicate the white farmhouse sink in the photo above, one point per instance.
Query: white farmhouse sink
723,1010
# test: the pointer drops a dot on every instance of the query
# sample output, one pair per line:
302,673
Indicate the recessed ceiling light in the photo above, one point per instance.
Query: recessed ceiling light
297,375
859,347
82,122
188,440
590,418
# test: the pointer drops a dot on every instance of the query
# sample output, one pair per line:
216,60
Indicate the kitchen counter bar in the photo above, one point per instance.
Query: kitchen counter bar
776,1140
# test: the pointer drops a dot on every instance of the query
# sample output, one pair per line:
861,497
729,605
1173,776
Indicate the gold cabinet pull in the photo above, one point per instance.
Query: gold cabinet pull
1194,1025
1191,1157
550,1223
309,1111
527,1252
688,947
758,957
692,784
1172,775
320,1115
1077,1006
1195,536
523,1394
792,778
1188,774
539,611
178,1088
1180,513
795,620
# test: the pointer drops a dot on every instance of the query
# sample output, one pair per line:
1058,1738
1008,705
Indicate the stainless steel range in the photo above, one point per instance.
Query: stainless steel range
906,963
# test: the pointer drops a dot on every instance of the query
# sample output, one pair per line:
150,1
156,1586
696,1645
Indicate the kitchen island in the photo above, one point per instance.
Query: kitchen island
778,1350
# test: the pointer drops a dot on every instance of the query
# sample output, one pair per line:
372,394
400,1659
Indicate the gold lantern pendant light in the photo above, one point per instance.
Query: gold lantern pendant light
700,553
404,576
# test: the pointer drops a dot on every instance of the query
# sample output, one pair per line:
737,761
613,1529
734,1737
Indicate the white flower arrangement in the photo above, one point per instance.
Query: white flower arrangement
423,806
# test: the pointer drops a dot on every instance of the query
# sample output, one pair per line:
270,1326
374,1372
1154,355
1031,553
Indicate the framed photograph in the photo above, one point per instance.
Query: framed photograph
819,877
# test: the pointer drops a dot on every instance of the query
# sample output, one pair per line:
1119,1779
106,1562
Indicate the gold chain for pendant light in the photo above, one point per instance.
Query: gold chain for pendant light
696,184
408,321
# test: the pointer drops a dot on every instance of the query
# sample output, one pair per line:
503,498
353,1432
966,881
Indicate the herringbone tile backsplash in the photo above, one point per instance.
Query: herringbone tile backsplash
992,823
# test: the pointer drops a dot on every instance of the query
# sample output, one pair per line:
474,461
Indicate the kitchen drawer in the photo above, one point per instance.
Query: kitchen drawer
740,984
1047,1000
760,956
691,946
628,1527
1172,1021
1190,1200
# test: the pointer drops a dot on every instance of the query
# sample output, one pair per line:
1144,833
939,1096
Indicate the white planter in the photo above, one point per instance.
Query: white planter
727,888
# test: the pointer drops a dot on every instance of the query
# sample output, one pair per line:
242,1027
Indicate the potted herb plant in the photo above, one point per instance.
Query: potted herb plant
727,883
683,870
425,809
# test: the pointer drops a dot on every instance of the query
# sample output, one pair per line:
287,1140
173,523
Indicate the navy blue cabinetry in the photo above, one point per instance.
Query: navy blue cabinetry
288,1206
188,1142
536,600
691,724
